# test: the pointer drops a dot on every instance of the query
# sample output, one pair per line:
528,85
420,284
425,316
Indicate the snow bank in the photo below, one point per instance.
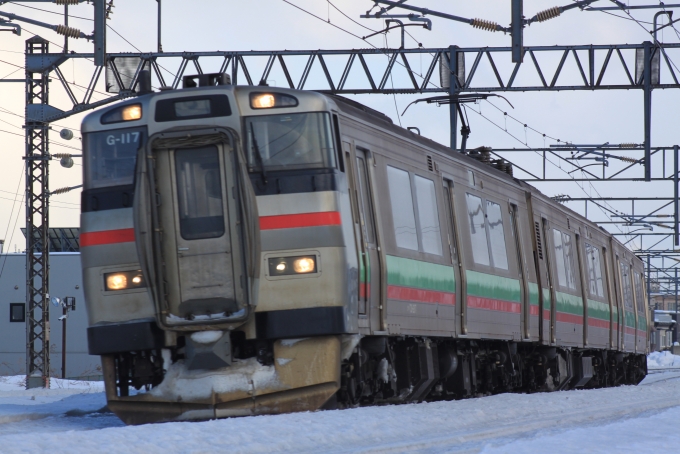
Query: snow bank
662,360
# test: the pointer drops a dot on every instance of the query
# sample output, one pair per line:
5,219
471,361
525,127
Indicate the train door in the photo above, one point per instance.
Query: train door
200,240
369,256
459,276
549,255
581,265
523,274
628,308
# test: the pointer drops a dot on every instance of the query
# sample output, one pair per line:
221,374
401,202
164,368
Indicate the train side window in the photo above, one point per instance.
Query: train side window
639,296
402,208
365,199
569,261
594,265
559,258
477,222
430,233
338,143
494,223
627,290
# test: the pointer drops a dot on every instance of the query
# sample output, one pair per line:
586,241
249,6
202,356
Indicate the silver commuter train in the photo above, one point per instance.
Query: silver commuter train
254,250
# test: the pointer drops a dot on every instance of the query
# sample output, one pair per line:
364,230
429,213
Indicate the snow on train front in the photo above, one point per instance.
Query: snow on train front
213,247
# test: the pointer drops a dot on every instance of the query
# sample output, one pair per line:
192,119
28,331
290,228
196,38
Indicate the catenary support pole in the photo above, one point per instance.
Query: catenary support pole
37,222
453,91
676,216
647,88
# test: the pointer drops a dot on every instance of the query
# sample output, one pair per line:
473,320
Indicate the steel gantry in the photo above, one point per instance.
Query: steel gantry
452,71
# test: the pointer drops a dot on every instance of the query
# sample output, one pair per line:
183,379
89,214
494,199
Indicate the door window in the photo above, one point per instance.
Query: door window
402,208
594,265
494,219
365,200
199,193
477,222
428,216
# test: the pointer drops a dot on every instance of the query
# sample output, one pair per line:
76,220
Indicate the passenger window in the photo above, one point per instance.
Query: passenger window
594,265
428,216
365,200
625,284
480,248
569,260
199,193
639,296
559,258
402,208
494,219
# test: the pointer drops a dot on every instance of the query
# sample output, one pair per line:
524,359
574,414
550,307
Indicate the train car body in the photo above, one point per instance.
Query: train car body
253,250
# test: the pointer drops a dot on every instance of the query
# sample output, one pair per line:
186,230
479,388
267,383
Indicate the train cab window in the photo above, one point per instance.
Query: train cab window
494,223
594,266
477,222
626,286
428,216
199,193
403,216
111,157
564,259
289,141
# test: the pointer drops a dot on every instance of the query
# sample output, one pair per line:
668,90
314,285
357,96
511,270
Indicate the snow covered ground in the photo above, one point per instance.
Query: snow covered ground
71,417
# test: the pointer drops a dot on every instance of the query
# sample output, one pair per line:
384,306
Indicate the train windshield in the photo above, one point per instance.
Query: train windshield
289,141
110,157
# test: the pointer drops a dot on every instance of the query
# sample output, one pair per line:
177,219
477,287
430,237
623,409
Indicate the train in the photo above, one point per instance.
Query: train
252,250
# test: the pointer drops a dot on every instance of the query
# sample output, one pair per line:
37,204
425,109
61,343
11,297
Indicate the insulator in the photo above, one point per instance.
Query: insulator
627,159
549,13
61,155
484,24
68,31
628,145
60,191
66,2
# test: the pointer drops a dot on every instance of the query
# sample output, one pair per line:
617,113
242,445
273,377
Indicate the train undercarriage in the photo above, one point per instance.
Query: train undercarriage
336,372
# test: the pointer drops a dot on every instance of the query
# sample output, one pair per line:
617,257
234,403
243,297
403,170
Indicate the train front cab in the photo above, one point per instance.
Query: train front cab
238,209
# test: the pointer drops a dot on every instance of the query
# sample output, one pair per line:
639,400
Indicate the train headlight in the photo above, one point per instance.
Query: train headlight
130,112
270,100
304,265
285,266
124,280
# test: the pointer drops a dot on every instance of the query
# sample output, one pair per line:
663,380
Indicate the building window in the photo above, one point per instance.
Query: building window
17,312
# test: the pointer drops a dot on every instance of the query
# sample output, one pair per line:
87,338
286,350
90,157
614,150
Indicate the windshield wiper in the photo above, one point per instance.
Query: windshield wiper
258,155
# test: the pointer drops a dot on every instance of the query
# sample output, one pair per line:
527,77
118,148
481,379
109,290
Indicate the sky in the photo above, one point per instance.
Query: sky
205,25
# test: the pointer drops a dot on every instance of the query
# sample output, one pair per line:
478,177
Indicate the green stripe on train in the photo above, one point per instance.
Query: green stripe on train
597,309
547,301
642,323
494,287
569,304
533,294
424,275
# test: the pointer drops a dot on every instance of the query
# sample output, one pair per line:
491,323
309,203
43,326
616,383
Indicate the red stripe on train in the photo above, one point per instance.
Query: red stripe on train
598,323
290,221
107,237
396,292
477,302
569,318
